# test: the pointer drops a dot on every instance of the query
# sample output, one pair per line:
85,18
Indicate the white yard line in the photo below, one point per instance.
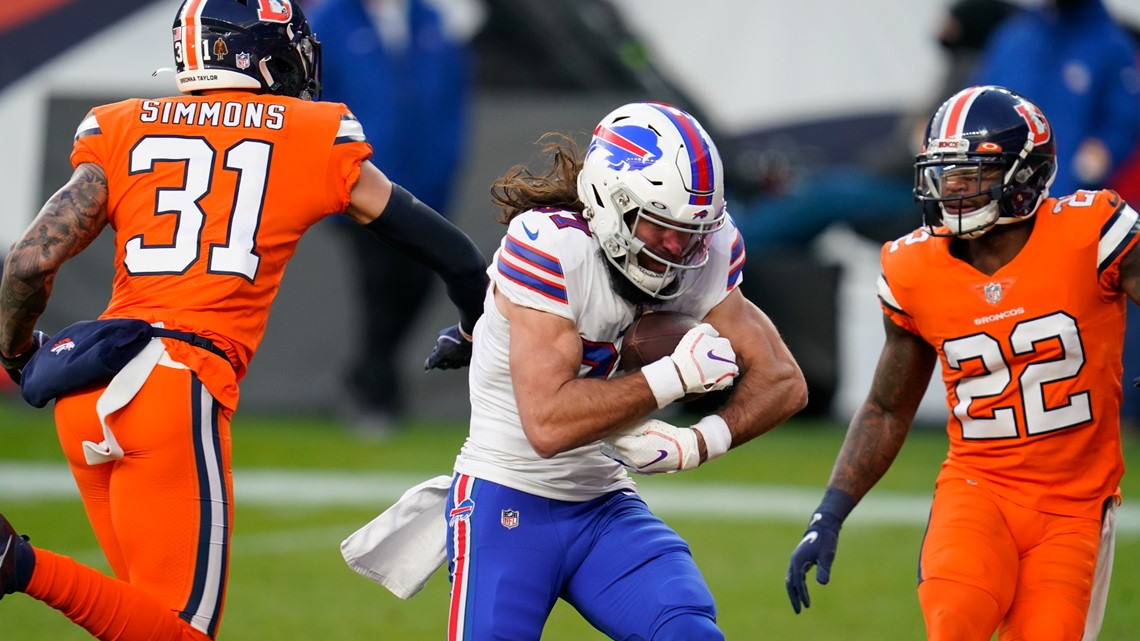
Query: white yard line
670,497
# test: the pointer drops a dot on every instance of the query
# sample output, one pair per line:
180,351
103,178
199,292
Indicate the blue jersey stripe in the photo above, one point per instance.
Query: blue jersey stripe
542,261
532,282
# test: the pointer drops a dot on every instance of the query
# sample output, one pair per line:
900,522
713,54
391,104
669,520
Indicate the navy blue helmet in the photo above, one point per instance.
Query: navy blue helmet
988,158
264,45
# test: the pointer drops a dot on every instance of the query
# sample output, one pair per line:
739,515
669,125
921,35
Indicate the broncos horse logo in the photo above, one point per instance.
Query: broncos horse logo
626,148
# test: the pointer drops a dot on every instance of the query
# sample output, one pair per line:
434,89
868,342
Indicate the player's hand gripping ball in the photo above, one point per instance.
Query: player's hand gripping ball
656,335
653,336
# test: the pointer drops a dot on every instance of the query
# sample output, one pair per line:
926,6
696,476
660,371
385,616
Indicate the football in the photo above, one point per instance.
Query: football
653,336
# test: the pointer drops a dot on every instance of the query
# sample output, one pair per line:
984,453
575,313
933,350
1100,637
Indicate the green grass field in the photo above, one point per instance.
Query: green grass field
742,516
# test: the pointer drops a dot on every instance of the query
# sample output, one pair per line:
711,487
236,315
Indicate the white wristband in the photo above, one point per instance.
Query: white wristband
718,438
664,381
463,333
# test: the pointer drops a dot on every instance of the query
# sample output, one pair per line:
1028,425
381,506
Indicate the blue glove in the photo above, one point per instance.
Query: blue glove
817,547
452,350
15,365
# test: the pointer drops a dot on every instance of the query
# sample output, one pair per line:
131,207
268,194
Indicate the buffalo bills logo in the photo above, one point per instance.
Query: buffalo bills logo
461,512
626,147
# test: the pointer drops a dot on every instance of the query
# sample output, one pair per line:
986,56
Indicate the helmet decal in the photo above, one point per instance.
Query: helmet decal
628,147
955,118
700,160
188,34
1038,126
275,10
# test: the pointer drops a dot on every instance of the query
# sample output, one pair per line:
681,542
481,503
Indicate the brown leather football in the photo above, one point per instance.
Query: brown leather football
653,336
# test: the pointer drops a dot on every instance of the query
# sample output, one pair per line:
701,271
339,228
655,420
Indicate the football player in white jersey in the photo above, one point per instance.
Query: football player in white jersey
541,504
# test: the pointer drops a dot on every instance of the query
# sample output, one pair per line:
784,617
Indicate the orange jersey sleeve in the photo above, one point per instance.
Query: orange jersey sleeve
1030,356
208,197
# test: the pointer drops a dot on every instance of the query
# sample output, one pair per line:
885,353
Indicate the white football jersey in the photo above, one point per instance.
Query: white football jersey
549,261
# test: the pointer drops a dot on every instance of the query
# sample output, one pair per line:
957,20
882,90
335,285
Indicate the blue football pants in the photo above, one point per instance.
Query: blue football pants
512,555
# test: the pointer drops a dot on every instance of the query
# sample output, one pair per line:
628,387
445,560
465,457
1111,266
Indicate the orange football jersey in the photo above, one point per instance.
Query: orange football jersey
1031,356
208,197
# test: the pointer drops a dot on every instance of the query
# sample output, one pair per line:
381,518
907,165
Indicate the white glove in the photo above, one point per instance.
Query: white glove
704,360
653,447
701,362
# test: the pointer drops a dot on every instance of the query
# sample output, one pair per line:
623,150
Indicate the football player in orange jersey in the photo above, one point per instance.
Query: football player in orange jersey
207,195
1021,298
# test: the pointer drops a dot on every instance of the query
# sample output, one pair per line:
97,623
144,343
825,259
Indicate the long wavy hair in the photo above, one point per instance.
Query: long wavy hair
520,189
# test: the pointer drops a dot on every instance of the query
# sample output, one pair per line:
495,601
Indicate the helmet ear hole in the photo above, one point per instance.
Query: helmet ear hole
283,77
597,196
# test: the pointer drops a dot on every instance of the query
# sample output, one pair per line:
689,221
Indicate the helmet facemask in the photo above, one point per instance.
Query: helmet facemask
645,258
964,195
296,75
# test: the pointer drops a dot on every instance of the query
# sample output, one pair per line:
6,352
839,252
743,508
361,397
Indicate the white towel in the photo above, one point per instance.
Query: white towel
122,388
406,544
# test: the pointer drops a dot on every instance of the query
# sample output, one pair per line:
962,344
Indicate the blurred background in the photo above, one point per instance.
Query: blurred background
813,105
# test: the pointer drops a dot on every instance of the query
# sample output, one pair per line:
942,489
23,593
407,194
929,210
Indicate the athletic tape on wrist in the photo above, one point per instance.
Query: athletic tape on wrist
718,438
664,381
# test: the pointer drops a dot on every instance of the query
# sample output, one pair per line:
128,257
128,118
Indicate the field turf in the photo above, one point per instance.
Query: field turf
742,516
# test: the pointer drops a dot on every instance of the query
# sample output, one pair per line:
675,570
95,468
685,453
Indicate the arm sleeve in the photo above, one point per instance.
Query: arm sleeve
413,228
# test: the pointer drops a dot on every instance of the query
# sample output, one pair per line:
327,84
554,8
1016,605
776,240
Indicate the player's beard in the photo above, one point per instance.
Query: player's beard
625,288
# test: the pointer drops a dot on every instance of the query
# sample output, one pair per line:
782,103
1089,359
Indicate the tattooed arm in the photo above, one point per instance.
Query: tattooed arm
66,224
880,426
874,438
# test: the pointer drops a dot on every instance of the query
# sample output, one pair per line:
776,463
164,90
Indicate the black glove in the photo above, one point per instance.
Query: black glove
817,547
15,365
452,350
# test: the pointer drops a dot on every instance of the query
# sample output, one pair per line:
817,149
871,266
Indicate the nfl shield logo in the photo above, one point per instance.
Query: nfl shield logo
242,60
510,519
993,293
